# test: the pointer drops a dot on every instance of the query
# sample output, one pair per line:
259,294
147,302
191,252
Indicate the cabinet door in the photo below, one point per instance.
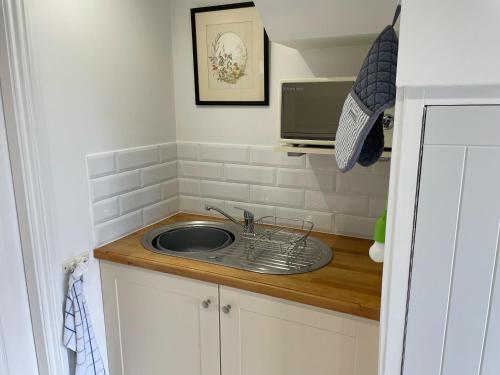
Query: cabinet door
266,336
454,302
157,324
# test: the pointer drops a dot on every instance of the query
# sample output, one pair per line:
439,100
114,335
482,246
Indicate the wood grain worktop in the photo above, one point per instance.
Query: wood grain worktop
350,283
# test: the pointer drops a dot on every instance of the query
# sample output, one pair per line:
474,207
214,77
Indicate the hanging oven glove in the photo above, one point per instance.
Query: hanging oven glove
374,144
372,93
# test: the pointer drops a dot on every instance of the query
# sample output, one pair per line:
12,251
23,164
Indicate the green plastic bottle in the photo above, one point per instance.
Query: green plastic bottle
378,247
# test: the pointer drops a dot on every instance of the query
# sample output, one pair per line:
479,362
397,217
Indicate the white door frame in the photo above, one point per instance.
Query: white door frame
17,356
20,117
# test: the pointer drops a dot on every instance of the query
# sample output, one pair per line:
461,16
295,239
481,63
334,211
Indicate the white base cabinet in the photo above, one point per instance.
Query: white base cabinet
161,324
262,335
157,323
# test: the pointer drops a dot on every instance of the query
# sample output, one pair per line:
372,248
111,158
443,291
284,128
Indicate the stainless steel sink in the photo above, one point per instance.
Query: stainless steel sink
197,236
223,243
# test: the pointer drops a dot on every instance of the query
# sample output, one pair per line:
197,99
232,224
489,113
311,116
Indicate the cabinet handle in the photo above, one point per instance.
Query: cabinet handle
206,303
226,309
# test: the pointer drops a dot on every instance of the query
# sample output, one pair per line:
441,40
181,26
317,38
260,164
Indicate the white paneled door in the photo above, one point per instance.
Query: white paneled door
17,349
454,302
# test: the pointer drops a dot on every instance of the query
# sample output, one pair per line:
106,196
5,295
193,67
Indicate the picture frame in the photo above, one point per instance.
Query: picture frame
230,55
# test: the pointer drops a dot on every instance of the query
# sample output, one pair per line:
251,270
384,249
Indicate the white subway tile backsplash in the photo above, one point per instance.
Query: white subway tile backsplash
362,184
189,186
120,197
337,203
225,190
277,196
169,188
322,221
159,211
197,205
224,153
101,164
105,210
139,198
158,173
317,161
200,169
258,210
264,155
109,186
116,228
245,173
359,169
168,152
187,151
382,168
354,225
162,179
137,158
311,179
377,206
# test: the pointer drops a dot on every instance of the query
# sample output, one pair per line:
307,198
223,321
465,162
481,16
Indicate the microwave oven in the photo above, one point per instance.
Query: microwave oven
310,109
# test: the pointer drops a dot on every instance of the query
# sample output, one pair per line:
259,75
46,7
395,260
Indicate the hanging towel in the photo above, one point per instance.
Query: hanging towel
373,92
78,332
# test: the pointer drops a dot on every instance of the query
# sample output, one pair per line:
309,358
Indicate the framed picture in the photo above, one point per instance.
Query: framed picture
231,55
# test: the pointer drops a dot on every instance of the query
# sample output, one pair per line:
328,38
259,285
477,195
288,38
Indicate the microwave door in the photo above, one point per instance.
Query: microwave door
311,111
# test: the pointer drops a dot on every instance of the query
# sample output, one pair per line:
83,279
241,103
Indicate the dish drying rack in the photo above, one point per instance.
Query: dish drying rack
282,236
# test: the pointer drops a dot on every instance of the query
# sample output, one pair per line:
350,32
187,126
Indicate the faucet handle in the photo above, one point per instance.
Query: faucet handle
249,220
246,214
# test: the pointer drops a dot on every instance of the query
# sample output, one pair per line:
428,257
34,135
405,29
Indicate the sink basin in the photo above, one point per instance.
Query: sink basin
222,243
190,237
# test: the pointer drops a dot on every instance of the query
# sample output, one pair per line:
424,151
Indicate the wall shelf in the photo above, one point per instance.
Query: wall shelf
302,150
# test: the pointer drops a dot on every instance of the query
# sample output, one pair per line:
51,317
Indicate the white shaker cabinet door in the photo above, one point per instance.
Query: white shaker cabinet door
262,335
158,324
454,301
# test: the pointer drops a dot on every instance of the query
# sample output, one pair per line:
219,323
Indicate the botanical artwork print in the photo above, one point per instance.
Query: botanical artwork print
228,58
230,55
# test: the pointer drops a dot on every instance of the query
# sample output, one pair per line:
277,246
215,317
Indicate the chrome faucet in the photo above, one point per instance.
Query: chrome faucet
248,217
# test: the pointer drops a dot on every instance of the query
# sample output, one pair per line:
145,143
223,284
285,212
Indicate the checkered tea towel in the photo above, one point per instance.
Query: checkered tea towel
78,333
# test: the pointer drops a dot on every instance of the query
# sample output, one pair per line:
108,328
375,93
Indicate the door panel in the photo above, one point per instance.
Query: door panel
434,253
266,336
156,324
491,359
453,316
476,252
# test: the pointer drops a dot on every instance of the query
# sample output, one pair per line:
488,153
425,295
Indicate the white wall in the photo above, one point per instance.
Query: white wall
244,125
103,76
449,43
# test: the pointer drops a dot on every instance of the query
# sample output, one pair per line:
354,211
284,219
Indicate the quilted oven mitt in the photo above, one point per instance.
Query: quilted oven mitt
373,92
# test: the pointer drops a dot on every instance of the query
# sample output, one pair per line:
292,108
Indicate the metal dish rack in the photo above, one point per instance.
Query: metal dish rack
283,237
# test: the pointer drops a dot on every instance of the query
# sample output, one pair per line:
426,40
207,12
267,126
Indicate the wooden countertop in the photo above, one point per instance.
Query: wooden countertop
350,284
